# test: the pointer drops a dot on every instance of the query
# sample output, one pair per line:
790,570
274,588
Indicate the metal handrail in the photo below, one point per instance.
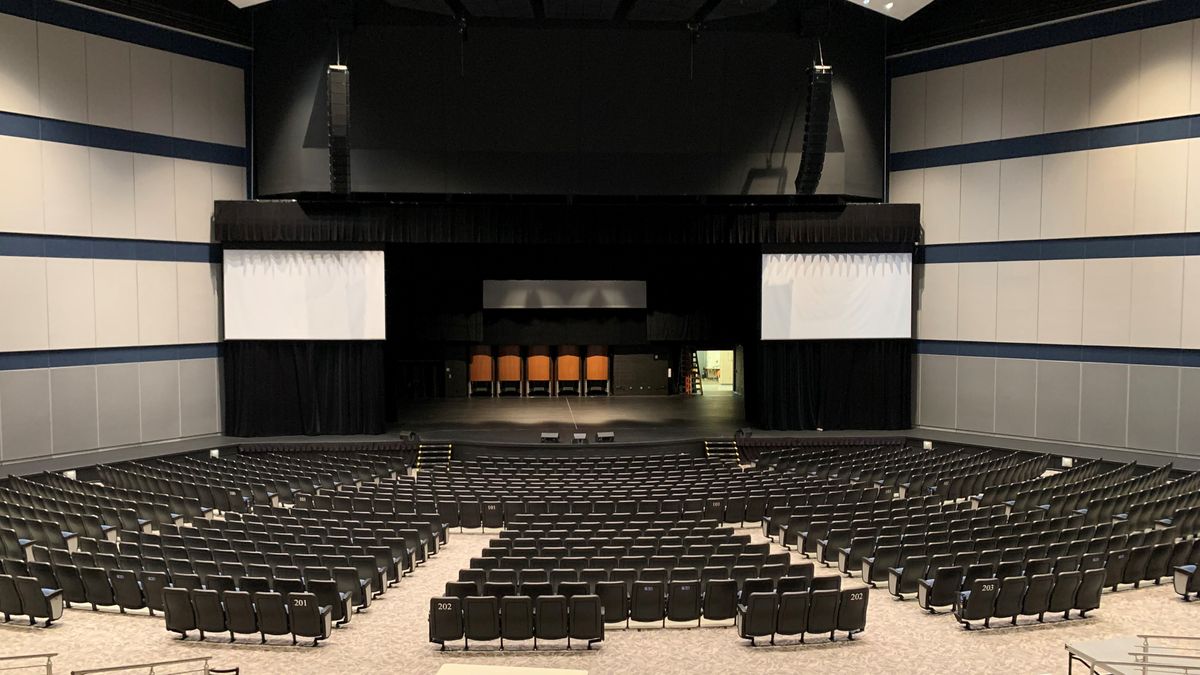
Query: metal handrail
23,657
111,669
1169,637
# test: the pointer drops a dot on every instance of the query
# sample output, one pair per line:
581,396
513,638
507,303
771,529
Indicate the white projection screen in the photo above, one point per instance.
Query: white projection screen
832,296
304,295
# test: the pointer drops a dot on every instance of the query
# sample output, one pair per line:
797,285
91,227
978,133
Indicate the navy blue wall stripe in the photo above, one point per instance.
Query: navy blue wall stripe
93,136
1083,248
57,246
63,358
128,30
1133,133
1039,37
1092,354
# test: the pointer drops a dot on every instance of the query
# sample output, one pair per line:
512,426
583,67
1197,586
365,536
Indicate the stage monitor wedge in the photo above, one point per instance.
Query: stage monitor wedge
304,295
836,296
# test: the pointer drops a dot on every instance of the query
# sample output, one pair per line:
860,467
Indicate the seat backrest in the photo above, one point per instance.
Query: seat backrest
10,599
516,617
1090,586
1010,597
792,618
646,601
683,600
126,589
720,599
756,585
210,615
239,612
827,583
95,584
445,619
550,617
946,583
586,614
272,614
1037,596
177,604
852,609
615,600
481,617
759,616
822,611
982,599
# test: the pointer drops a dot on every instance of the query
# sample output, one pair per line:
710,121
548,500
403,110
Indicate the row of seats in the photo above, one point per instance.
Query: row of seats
25,596
239,612
1011,597
799,612
516,617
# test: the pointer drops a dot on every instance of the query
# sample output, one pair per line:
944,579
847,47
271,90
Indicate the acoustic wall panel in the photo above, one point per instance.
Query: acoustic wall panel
908,187
1154,407
939,383
976,394
980,197
1157,302
228,109
190,98
199,404
1060,301
908,113
1164,80
940,204
193,200
1016,396
1190,329
943,107
154,197
150,86
1058,400
23,304
977,301
1020,199
1068,86
159,387
119,404
982,100
937,302
1107,284
1024,94
109,82
1104,402
70,303
157,303
21,185
1160,187
19,73
66,189
1115,79
62,73
116,289
1189,399
113,204
199,303
25,413
1064,194
1110,187
73,409
1017,301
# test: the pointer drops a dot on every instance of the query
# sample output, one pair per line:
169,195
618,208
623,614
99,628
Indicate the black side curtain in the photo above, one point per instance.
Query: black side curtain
830,384
285,388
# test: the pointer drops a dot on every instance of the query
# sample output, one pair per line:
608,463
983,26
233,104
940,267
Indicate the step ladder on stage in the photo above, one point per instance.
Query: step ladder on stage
693,382
433,454
724,449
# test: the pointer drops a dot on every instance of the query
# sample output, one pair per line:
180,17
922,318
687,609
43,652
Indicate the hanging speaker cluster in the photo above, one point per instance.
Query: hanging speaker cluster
338,96
816,129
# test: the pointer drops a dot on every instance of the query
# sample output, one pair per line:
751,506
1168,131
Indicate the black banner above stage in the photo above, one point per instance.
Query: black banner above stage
765,220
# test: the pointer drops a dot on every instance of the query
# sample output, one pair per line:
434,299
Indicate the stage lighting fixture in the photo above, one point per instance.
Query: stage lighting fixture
549,436
1068,462
215,453
897,9
926,445
605,437
579,437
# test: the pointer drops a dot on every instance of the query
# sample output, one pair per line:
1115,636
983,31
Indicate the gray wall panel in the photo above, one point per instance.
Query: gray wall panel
160,399
1103,407
1153,407
25,413
1189,421
1058,400
937,390
119,404
73,404
1016,396
199,406
976,393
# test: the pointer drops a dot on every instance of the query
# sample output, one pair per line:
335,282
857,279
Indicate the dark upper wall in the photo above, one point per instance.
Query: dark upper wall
564,108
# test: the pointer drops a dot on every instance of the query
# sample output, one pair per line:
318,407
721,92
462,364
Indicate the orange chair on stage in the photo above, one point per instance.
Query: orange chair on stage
537,371
508,371
568,371
596,367
482,371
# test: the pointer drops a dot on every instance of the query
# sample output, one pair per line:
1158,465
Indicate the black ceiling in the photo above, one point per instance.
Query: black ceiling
946,21
214,18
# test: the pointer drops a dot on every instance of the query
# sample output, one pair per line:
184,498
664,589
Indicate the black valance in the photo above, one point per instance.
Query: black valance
288,388
830,384
748,220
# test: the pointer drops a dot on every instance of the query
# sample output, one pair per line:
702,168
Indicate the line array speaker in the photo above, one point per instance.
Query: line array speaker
338,82
816,129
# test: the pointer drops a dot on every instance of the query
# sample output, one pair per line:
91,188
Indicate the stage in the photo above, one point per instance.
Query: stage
522,420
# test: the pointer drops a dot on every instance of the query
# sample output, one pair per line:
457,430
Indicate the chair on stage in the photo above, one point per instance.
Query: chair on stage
482,371
597,370
537,371
508,371
567,371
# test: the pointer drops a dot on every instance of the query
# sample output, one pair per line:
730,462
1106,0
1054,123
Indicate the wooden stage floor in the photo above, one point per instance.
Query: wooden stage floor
521,420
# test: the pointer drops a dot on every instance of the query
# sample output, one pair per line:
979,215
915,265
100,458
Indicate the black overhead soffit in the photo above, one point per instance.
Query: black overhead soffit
594,220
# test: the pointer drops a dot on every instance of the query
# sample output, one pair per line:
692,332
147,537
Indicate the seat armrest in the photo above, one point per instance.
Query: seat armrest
925,583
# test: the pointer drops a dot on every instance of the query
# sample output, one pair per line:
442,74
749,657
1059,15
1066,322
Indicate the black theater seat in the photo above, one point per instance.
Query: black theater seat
38,602
1010,598
177,605
852,611
307,618
10,598
516,618
550,619
792,616
756,617
977,603
941,590
823,612
1087,597
586,617
445,620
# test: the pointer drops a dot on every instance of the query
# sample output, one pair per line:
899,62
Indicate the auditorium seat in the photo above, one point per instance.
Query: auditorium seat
792,615
10,598
683,601
272,615
756,617
38,602
596,370
445,620
614,598
180,617
127,591
1158,564
940,590
1062,597
1186,581
537,371
1135,566
481,371
977,603
550,619
97,587
1087,597
646,602
210,614
516,618
852,611
509,378
568,372
903,580
70,582
240,617
307,618
586,619
1010,598
720,600
340,603
823,612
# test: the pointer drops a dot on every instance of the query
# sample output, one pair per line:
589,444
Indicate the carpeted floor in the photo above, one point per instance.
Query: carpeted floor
391,637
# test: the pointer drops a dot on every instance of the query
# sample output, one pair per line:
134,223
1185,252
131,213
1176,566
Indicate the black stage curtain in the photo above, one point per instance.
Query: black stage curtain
284,388
750,221
830,384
